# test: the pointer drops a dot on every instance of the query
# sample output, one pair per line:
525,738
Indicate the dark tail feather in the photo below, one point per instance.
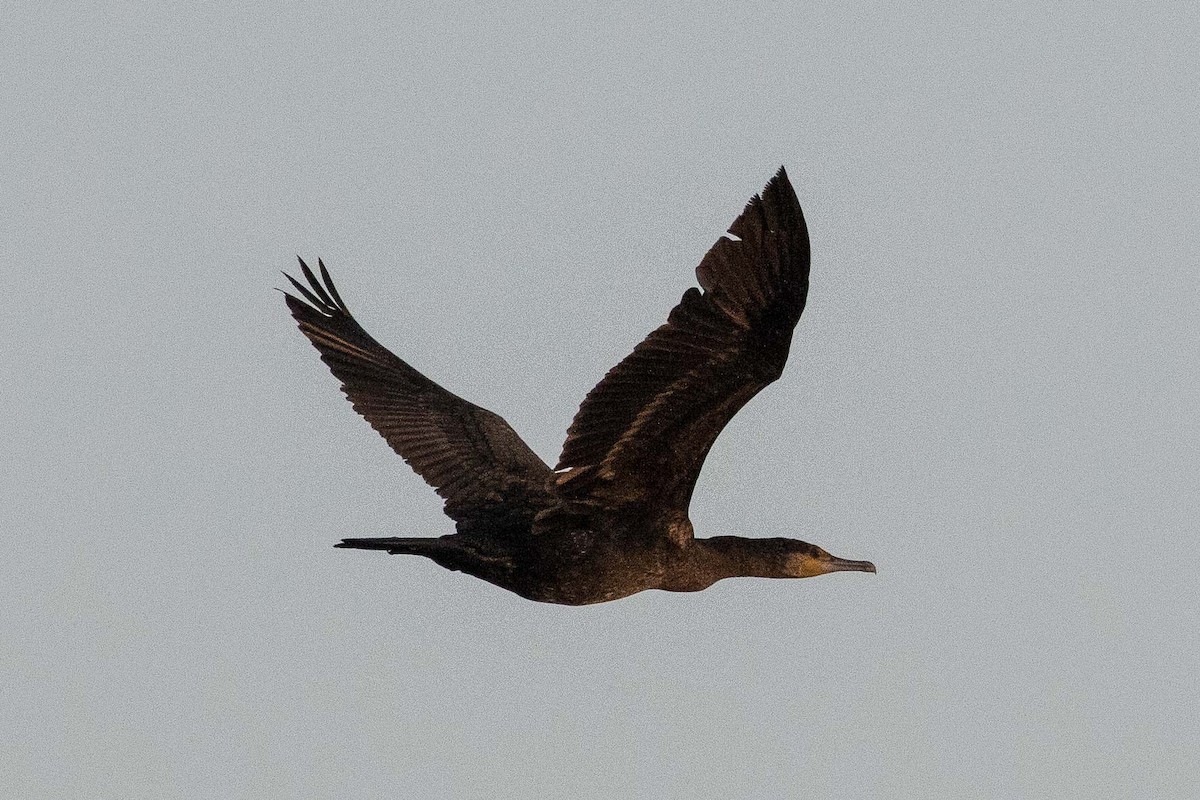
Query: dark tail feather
397,546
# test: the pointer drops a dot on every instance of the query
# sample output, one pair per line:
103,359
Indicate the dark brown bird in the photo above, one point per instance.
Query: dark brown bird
612,519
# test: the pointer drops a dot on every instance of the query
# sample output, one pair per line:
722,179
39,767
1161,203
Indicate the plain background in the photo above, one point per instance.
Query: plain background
992,395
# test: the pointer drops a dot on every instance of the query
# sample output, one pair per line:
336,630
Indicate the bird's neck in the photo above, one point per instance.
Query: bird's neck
720,557
736,556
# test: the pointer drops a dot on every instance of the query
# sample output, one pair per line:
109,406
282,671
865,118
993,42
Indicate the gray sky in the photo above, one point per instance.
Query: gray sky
992,395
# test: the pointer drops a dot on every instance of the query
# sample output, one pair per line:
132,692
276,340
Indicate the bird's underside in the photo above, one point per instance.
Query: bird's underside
611,519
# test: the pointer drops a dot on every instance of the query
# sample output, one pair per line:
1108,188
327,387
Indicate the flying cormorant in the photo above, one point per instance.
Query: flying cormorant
612,518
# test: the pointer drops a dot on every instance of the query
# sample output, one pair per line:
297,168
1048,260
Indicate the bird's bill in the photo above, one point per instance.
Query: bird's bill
846,565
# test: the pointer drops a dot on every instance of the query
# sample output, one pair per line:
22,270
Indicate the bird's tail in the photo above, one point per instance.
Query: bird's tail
414,546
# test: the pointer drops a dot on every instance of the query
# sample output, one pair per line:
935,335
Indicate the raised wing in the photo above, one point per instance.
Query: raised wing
489,477
641,435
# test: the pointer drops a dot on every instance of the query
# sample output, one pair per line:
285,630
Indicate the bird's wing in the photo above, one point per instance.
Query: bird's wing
641,435
488,476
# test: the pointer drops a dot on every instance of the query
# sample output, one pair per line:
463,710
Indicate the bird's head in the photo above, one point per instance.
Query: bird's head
775,557
804,560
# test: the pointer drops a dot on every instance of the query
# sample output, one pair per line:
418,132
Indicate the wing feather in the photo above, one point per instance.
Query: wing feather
487,475
643,432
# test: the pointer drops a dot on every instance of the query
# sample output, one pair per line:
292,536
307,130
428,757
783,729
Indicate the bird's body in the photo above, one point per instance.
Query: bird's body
576,567
611,520
597,562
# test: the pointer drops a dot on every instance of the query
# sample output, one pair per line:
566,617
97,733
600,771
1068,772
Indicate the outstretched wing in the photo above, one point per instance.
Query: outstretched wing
488,476
641,435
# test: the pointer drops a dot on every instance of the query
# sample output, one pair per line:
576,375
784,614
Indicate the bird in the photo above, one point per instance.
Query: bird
611,519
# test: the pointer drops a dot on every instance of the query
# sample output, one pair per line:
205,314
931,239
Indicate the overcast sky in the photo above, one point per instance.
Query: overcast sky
992,395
